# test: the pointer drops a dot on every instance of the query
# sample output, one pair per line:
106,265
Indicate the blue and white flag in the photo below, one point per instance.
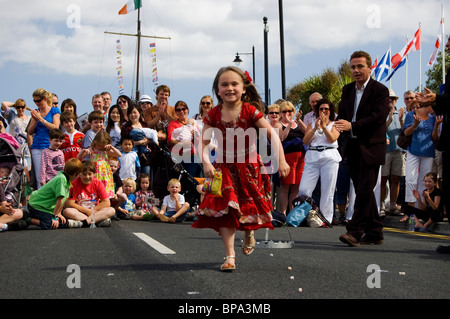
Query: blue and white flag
382,69
402,63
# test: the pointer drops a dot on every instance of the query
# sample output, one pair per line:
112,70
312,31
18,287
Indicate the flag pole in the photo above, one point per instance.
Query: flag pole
420,57
138,53
443,44
406,71
390,80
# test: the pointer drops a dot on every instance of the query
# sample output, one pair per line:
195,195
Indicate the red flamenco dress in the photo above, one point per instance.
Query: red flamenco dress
245,202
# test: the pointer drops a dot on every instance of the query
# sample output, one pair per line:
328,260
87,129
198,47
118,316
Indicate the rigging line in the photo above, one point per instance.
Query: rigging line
101,64
171,65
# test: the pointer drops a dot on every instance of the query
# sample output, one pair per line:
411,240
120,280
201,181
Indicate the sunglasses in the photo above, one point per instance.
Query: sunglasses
37,101
274,113
324,109
20,107
206,103
181,110
290,111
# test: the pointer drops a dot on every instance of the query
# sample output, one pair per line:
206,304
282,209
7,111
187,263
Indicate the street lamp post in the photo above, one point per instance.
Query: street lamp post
266,62
283,69
238,60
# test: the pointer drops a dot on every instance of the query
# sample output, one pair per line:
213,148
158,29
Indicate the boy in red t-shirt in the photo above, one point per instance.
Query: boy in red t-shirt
73,139
85,190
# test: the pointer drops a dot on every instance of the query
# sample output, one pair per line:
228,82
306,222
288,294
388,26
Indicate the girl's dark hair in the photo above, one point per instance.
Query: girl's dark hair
141,117
251,95
110,124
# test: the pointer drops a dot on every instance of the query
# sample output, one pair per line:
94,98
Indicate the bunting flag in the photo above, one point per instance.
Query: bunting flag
411,46
119,67
131,6
154,68
383,68
437,44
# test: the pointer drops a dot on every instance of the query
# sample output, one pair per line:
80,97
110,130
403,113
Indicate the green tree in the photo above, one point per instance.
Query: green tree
329,83
434,74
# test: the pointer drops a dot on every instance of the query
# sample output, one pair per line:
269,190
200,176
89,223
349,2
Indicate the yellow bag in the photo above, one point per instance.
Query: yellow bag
214,185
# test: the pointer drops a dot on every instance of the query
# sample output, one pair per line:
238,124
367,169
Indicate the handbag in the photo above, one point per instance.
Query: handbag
313,219
403,140
298,214
213,185
316,219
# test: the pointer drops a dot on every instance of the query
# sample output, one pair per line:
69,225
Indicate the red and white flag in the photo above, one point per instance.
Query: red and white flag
411,46
374,66
437,44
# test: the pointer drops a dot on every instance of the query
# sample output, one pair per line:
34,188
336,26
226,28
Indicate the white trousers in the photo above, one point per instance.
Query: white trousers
36,155
416,168
327,171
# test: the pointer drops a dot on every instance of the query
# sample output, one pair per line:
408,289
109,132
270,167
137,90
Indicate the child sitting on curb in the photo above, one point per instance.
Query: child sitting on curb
145,200
46,204
85,190
128,208
174,208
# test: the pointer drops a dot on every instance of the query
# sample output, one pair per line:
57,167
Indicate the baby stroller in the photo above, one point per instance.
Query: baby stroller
165,168
13,184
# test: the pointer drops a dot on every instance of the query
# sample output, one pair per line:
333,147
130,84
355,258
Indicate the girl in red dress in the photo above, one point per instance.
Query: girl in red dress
245,200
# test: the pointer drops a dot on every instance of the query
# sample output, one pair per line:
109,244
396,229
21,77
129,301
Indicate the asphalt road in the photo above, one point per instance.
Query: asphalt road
182,264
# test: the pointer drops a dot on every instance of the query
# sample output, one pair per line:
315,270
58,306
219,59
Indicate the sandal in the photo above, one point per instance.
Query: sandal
249,248
404,219
227,266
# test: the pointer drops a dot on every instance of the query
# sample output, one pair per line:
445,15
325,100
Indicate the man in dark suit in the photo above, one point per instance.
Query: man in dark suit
361,120
441,106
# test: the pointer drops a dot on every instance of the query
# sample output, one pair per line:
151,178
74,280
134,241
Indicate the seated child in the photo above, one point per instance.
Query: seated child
73,139
127,209
119,196
46,204
429,205
87,189
174,208
52,158
145,200
129,163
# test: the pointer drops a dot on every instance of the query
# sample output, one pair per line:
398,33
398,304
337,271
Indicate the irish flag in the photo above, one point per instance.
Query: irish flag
131,6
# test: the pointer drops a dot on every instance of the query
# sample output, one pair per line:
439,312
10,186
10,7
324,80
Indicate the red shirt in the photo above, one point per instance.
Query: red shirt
80,192
72,144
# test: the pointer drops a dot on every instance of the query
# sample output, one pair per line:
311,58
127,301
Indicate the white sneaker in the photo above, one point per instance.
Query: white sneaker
105,223
74,223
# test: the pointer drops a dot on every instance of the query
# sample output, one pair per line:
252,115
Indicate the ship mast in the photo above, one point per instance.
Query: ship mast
139,35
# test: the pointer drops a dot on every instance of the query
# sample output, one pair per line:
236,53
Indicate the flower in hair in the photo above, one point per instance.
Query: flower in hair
247,75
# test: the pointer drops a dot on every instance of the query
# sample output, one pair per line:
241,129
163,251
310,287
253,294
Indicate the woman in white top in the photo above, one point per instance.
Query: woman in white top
322,158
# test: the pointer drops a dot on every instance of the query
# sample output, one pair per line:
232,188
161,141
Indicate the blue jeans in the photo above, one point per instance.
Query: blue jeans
45,219
138,135
179,218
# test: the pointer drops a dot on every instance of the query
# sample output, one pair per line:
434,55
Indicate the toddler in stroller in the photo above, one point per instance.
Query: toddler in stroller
12,177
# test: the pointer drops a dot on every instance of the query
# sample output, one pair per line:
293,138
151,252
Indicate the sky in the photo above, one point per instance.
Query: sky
62,46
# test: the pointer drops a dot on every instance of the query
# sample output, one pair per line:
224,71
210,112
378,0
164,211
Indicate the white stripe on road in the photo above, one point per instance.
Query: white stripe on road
155,244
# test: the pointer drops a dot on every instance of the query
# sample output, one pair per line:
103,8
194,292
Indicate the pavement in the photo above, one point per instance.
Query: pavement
441,228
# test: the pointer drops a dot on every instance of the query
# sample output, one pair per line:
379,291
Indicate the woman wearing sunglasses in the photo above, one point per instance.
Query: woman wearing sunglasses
322,158
43,119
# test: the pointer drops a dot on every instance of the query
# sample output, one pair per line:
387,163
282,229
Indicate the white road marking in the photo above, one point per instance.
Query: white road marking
155,244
